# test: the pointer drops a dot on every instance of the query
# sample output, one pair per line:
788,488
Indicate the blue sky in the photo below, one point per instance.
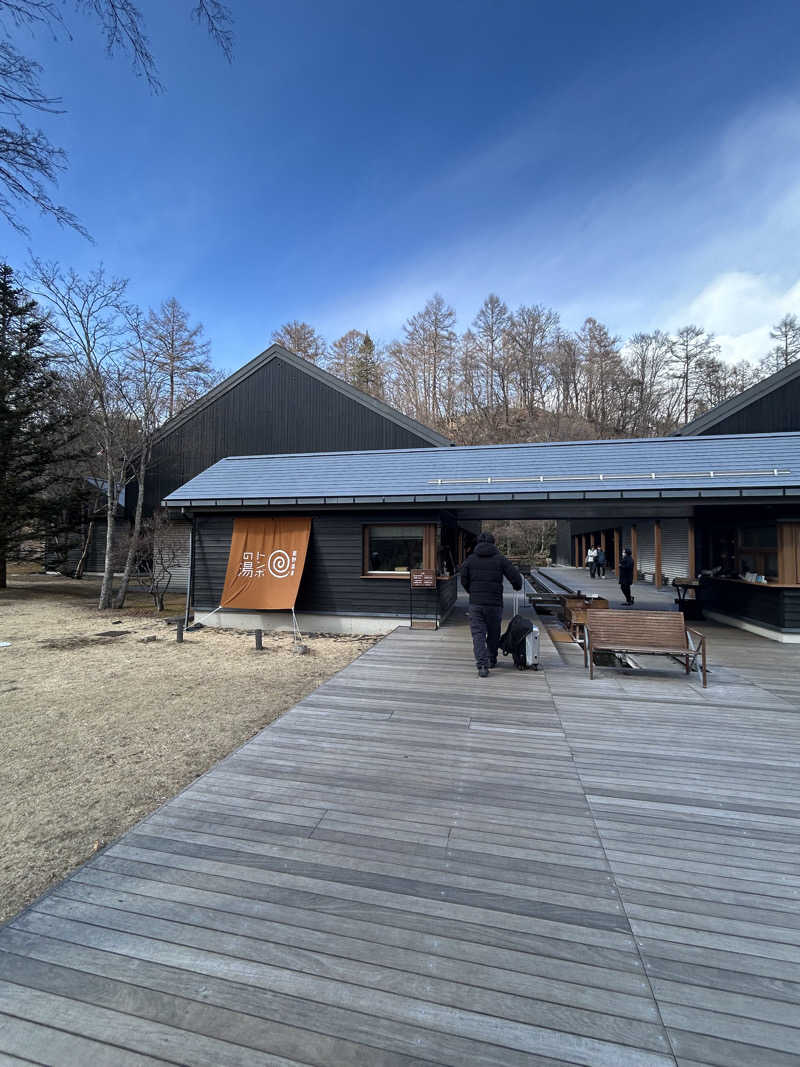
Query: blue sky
635,162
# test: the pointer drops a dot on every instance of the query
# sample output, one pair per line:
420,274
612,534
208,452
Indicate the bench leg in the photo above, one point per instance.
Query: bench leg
686,664
703,658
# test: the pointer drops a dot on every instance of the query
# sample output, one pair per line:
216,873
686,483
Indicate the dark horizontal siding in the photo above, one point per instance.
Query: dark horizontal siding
277,409
791,609
777,412
211,548
778,608
332,581
448,592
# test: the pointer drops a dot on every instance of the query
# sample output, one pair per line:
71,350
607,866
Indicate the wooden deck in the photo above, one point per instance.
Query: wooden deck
418,866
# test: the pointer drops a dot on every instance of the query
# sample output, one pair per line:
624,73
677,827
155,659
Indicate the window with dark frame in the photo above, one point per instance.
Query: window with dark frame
394,549
758,550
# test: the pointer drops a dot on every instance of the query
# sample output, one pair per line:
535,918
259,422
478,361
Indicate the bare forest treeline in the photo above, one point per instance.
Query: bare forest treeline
520,375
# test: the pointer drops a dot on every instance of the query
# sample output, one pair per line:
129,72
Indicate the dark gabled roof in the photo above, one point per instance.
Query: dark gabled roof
277,351
642,467
703,423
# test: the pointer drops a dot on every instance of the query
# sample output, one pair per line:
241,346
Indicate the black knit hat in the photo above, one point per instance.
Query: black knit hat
486,538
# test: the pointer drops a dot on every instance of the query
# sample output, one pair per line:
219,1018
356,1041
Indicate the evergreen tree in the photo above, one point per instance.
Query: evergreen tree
367,368
33,432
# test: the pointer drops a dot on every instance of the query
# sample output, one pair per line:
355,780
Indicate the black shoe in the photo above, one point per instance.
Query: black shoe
492,663
483,672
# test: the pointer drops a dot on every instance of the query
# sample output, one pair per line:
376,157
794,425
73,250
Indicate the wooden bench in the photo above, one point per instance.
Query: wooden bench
645,633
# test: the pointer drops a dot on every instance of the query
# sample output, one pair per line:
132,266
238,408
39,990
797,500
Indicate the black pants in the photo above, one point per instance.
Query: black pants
484,625
626,591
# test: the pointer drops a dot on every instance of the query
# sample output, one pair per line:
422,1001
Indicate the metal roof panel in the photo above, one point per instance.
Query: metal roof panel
710,464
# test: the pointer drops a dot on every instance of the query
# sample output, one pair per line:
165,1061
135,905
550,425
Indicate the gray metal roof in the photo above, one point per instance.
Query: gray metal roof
758,464
276,351
703,423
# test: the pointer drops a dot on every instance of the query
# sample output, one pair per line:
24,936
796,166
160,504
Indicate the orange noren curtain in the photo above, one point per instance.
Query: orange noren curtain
266,562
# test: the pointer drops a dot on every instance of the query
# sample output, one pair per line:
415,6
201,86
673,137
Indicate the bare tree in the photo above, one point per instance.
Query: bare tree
490,327
529,345
180,352
429,352
690,345
603,374
655,399
717,380
155,558
786,351
301,339
144,381
29,162
343,354
89,318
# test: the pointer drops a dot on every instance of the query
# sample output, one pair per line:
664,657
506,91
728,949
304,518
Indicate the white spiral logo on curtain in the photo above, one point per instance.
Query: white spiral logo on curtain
280,564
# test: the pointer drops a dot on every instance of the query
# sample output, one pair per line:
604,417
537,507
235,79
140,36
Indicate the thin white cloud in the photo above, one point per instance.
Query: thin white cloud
740,308
709,238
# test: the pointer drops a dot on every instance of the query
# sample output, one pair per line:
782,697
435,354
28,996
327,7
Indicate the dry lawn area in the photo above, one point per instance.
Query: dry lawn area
97,731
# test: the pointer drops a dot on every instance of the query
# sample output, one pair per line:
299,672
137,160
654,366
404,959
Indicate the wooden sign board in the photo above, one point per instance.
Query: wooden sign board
423,579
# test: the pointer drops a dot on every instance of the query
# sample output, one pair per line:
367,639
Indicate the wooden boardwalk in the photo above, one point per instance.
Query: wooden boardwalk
417,866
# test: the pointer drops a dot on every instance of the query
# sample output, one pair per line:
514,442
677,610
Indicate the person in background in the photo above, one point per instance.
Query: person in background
626,575
482,575
600,563
591,562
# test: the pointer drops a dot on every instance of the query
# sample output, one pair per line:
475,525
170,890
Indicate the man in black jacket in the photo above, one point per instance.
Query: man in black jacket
482,576
625,571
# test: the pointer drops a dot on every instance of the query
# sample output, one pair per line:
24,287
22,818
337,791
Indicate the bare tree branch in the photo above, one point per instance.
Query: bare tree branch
29,162
217,19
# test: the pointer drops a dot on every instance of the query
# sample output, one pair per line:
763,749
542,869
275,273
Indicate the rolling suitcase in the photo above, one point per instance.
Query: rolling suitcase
532,649
521,640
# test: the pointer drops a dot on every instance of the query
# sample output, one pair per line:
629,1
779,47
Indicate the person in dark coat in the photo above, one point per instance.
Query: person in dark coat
626,575
482,576
600,563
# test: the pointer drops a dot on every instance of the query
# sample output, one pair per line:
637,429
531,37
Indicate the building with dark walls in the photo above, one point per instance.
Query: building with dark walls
277,403
744,539
770,406
377,515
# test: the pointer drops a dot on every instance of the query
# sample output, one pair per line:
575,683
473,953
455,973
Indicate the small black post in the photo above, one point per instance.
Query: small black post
179,632
259,645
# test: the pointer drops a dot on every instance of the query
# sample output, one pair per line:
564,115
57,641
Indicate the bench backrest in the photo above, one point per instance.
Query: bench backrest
643,629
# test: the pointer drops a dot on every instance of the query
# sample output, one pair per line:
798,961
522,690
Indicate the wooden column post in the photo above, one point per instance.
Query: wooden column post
657,576
582,556
617,548
635,550
690,551
576,552
603,540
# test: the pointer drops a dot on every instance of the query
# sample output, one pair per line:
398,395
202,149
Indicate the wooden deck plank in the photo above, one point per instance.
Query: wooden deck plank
528,870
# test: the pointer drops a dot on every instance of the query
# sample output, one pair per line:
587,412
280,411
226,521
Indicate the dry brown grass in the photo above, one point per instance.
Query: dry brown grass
98,730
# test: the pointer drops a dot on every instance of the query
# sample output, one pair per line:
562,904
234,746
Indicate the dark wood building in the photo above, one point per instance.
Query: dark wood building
722,544
376,516
277,403
769,406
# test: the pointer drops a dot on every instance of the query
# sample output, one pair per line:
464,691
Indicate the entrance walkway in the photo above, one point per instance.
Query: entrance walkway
645,594
417,866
